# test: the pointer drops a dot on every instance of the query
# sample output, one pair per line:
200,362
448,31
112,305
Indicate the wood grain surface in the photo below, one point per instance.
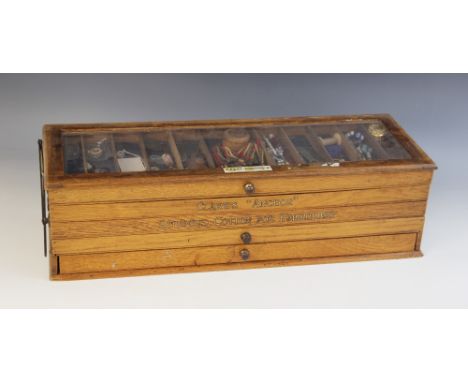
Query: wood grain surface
232,219
171,190
230,254
232,236
153,209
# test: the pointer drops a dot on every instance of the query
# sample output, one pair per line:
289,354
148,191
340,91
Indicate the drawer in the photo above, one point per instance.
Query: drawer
219,237
156,189
234,219
213,207
240,254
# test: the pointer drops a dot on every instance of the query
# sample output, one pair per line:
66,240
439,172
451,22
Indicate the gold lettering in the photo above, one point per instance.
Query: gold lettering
268,203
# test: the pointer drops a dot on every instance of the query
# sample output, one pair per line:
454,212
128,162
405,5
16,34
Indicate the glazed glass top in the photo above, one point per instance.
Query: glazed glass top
234,149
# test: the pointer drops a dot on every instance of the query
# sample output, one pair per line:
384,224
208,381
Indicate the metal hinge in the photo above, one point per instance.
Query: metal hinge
45,219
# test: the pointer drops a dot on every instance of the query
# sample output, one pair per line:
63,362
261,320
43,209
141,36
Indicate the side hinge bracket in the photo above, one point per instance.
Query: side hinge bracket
45,219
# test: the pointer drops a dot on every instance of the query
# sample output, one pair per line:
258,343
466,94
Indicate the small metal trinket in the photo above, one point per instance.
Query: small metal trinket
275,149
377,130
95,152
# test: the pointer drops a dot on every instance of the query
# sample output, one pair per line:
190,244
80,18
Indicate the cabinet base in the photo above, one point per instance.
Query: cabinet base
235,266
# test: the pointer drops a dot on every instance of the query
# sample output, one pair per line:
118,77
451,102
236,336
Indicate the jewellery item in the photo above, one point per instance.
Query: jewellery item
95,152
98,150
357,139
275,149
377,130
304,148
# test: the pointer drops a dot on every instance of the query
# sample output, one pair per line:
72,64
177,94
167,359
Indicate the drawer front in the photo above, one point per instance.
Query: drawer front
219,237
160,189
193,257
247,205
233,219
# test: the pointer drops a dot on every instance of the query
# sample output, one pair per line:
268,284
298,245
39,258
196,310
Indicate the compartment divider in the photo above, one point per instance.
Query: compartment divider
114,153
381,153
348,147
83,154
317,145
290,146
269,158
175,150
205,150
144,155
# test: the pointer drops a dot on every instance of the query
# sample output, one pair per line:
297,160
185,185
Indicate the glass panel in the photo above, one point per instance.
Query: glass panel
193,150
334,144
387,141
307,145
235,147
203,149
73,155
278,147
130,153
159,152
99,153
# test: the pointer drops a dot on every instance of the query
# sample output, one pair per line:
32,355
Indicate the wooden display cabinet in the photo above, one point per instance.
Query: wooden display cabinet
124,199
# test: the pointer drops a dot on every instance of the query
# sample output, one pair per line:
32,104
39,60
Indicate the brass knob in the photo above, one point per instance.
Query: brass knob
244,254
249,188
246,237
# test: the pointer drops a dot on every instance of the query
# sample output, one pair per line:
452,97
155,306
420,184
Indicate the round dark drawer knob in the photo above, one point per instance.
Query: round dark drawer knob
244,254
249,188
246,237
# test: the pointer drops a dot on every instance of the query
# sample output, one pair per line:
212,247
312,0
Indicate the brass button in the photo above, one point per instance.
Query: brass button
245,254
246,237
249,188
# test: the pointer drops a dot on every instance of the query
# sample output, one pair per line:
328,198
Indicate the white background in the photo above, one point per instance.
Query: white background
428,106
270,36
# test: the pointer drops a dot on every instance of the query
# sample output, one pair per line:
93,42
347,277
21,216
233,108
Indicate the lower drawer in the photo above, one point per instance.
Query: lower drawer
193,257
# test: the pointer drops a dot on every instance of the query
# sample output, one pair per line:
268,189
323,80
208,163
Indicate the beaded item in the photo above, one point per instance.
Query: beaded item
357,139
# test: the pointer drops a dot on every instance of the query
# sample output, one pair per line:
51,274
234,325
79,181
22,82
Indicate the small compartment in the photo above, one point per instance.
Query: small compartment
161,151
365,147
235,147
278,147
193,150
385,139
73,154
99,153
307,145
130,153
335,144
